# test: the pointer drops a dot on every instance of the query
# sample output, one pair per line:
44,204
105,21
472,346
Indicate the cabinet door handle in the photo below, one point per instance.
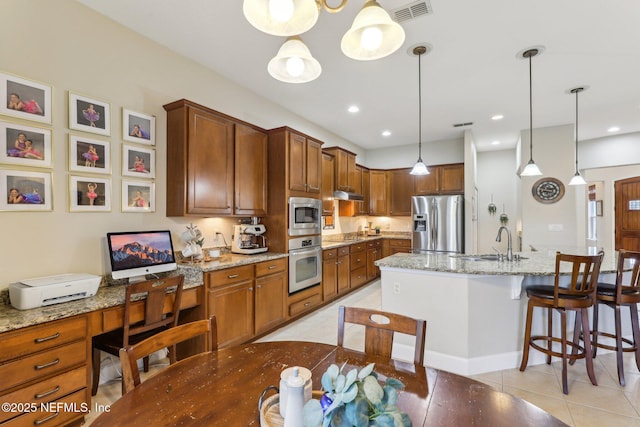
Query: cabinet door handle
259,286
46,365
232,276
271,267
45,419
50,337
47,393
358,260
250,289
306,304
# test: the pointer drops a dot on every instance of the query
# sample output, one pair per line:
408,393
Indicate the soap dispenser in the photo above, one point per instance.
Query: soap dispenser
293,416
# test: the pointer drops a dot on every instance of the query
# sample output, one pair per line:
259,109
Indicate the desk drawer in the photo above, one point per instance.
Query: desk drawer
358,260
230,275
62,412
270,267
43,364
26,341
47,390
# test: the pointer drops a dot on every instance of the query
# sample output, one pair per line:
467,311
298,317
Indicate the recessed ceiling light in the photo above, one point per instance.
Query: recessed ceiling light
354,109
613,129
497,117
495,143
386,133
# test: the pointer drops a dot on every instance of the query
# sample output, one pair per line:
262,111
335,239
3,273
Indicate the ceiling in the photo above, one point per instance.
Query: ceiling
472,73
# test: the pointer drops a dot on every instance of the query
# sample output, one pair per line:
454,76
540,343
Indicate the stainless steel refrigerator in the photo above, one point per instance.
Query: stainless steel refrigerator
438,224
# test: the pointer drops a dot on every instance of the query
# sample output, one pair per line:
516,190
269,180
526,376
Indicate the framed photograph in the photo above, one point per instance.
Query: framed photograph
139,162
89,115
89,155
89,194
25,190
138,127
138,196
25,99
599,208
22,145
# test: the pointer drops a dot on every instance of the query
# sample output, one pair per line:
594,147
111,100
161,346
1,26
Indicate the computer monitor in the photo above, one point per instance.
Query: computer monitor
134,254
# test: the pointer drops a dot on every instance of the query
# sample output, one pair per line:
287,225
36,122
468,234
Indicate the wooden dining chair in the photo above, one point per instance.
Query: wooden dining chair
139,326
130,354
380,327
623,293
577,296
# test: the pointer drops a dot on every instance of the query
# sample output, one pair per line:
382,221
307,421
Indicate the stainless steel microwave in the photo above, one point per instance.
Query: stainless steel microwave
305,216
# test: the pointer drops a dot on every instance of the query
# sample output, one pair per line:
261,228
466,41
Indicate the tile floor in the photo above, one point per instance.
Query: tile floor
586,405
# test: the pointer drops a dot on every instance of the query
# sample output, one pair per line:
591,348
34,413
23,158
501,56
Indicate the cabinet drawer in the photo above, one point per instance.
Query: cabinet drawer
270,267
43,364
358,260
62,412
343,250
358,247
400,243
330,254
230,275
305,304
26,341
358,277
47,390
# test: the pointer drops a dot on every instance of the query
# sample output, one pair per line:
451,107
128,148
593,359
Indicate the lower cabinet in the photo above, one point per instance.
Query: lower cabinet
374,253
344,269
336,272
394,246
358,264
247,300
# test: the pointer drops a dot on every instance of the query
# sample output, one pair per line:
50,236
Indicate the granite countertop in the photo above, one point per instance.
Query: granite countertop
540,263
329,243
114,294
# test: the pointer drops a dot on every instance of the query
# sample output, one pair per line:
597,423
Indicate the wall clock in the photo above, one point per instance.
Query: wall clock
547,190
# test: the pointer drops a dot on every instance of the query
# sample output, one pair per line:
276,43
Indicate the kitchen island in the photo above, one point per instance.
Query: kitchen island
472,304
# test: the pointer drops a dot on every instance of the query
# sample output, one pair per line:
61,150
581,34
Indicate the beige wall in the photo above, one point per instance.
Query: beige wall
72,48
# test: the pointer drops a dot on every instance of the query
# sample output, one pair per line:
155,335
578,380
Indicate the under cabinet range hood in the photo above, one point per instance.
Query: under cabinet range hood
345,195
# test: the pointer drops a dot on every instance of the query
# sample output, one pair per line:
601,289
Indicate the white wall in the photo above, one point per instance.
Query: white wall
470,194
73,48
615,150
405,156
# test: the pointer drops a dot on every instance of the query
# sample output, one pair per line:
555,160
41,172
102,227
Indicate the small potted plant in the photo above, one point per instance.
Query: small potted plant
378,229
356,399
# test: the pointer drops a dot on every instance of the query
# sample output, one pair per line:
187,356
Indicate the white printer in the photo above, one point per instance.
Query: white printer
42,291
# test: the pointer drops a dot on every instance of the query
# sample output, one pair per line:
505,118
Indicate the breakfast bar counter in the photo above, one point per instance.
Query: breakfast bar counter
472,304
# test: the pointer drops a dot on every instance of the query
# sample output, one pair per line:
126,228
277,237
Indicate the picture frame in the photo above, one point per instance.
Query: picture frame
89,194
89,155
599,208
138,196
25,99
24,190
138,127
89,114
138,161
22,145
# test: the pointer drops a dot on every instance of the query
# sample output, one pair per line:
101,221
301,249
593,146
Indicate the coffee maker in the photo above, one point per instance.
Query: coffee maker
248,239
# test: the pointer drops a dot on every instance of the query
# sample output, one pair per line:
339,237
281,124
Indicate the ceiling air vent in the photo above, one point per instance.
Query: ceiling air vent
411,11
459,125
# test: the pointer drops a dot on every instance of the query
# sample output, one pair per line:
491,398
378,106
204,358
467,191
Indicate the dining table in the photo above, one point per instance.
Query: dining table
222,388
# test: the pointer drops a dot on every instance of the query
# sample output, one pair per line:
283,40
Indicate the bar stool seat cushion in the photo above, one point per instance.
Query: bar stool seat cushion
609,289
546,292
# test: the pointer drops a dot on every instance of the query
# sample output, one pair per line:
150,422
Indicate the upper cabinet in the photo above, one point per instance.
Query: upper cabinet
305,165
216,165
377,192
363,207
328,165
400,192
346,178
442,179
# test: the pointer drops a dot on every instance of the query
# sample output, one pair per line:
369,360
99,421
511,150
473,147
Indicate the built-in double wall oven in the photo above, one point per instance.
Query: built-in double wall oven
305,252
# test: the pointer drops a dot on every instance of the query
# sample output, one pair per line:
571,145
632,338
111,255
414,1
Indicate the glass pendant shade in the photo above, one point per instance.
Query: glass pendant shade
281,17
419,168
373,34
577,180
294,63
531,169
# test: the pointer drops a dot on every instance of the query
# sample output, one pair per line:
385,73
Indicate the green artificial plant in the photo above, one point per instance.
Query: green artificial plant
357,400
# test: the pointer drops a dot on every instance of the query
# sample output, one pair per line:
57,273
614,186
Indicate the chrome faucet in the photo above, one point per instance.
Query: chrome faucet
499,238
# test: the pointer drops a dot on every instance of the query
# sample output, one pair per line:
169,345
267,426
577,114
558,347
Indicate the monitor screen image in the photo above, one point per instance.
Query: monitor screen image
137,253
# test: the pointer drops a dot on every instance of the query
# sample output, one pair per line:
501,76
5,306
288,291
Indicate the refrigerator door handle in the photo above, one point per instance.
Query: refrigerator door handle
434,226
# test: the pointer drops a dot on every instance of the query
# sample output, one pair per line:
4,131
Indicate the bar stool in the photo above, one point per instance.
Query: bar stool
578,296
620,295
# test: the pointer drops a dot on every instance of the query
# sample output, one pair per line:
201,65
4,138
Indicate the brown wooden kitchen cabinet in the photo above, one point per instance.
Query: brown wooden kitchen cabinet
442,179
394,246
378,192
204,169
305,164
344,269
345,169
329,274
400,192
247,300
328,165
374,253
358,259
363,207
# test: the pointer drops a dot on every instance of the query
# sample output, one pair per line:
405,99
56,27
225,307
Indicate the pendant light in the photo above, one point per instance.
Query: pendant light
294,63
531,169
373,34
281,17
577,178
419,168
